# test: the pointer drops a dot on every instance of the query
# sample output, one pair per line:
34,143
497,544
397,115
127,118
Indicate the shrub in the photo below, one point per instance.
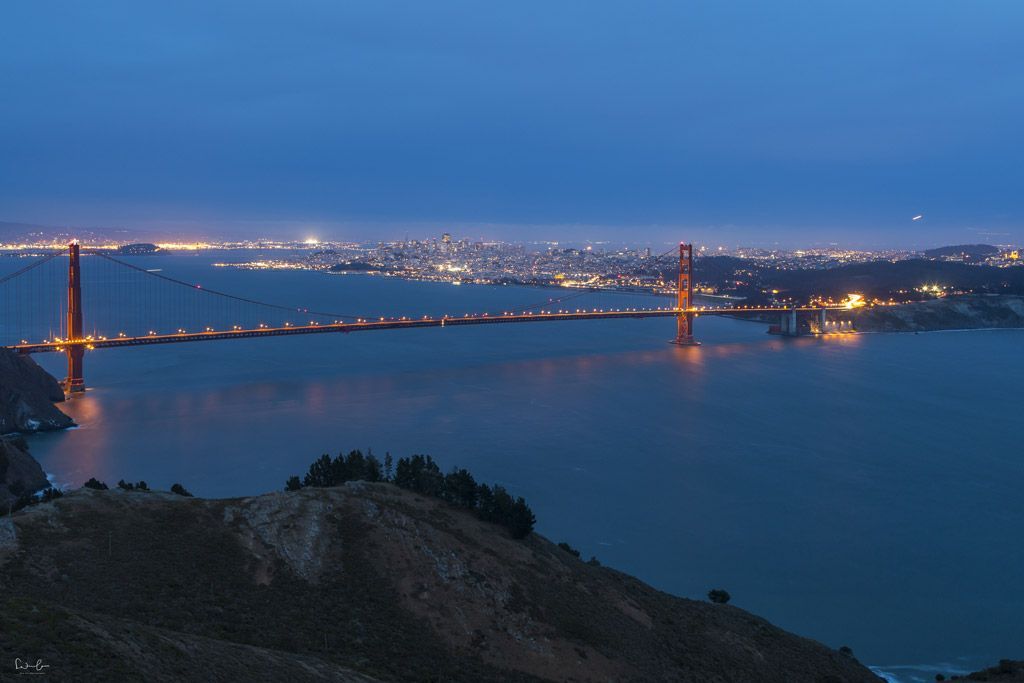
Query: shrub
293,484
141,486
569,549
594,562
720,597
93,483
125,486
26,499
846,650
50,494
180,490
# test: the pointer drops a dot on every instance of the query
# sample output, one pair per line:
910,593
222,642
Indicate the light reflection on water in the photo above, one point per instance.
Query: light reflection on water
861,490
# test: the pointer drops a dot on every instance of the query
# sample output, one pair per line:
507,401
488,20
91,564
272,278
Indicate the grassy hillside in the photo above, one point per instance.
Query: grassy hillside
365,578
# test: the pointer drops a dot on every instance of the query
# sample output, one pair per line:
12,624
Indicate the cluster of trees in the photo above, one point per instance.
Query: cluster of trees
95,483
325,471
421,474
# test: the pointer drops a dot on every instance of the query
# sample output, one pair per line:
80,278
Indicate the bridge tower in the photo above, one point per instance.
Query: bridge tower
75,382
684,298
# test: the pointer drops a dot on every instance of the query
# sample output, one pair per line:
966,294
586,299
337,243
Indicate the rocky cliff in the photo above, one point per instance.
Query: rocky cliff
19,472
27,395
359,582
949,313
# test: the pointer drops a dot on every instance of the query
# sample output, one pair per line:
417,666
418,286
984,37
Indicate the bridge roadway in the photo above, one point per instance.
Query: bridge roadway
390,324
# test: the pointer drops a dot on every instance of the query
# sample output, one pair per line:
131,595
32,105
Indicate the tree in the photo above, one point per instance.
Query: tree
373,471
94,483
141,486
460,488
485,503
420,474
355,467
521,519
293,483
388,466
321,472
180,490
125,486
719,596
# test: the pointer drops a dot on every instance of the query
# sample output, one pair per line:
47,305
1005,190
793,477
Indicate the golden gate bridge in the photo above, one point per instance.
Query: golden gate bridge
45,311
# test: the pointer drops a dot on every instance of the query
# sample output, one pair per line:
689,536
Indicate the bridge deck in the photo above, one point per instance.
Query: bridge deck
388,324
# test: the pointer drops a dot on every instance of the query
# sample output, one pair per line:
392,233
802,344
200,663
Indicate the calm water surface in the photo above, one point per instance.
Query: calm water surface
862,490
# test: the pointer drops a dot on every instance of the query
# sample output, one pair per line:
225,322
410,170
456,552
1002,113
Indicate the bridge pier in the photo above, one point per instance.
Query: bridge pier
788,324
75,382
822,321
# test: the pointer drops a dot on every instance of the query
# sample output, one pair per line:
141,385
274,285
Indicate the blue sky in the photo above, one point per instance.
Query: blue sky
723,122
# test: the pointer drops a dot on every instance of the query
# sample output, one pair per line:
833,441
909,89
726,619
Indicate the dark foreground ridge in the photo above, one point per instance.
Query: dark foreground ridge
356,582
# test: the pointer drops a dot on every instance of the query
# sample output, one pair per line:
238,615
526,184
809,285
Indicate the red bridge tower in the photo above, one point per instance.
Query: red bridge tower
75,382
684,299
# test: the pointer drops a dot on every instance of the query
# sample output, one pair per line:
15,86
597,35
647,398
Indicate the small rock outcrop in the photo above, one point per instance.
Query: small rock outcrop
19,471
27,395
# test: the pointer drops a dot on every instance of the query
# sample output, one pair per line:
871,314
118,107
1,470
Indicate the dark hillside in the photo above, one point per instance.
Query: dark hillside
362,577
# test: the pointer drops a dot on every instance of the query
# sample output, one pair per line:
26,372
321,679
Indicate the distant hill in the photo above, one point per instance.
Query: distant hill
972,252
755,279
969,312
353,583
883,279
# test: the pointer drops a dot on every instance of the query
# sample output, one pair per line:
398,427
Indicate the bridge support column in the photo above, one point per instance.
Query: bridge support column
788,324
684,298
822,321
75,382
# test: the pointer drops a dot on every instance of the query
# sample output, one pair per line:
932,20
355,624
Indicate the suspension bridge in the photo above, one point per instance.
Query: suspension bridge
45,305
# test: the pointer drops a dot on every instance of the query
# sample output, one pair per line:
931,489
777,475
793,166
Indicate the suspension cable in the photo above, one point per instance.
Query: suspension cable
200,288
